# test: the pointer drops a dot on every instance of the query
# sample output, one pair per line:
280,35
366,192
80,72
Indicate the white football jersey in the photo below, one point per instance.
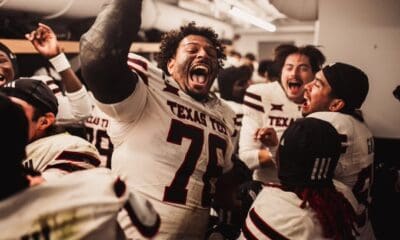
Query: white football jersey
265,105
170,148
60,154
276,214
96,133
81,205
355,166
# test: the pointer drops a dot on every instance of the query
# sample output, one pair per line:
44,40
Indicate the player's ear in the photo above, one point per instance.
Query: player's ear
336,105
46,120
171,65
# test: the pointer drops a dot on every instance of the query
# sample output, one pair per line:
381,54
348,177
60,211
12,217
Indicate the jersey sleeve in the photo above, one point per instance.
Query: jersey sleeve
251,121
81,155
130,109
81,105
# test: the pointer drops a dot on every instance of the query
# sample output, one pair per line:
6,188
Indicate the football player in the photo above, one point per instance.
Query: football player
49,151
171,136
233,82
81,205
74,102
306,203
336,95
269,108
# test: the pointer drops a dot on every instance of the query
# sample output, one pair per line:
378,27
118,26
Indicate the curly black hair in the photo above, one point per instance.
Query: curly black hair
170,43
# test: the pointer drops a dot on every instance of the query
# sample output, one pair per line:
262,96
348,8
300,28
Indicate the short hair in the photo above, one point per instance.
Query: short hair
316,57
170,43
250,56
269,66
229,76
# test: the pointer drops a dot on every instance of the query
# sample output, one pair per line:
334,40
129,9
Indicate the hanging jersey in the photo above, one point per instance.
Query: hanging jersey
60,154
96,133
81,205
355,166
170,148
265,105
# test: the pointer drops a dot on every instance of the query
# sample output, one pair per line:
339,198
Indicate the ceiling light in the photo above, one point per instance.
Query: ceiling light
239,13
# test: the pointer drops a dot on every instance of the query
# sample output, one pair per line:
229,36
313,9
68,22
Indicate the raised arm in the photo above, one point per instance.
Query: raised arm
45,42
104,50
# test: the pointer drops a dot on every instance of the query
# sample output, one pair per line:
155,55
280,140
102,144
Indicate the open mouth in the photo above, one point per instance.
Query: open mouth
306,101
199,74
294,85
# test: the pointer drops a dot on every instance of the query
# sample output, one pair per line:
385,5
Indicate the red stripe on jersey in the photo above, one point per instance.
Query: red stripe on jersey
57,90
247,233
67,167
276,107
147,231
79,157
253,96
254,106
238,120
140,64
171,89
264,227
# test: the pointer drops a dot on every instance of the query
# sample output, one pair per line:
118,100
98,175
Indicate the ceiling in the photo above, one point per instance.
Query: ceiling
70,18
296,15
219,9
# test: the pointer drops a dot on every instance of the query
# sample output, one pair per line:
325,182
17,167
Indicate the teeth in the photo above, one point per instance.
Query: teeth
199,78
200,69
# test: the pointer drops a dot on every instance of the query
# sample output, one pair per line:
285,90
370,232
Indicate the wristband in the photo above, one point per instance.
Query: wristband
60,62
